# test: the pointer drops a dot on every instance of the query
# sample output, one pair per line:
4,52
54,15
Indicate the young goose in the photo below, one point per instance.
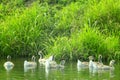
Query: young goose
41,59
100,59
48,64
8,65
52,61
96,65
30,63
86,64
110,67
103,67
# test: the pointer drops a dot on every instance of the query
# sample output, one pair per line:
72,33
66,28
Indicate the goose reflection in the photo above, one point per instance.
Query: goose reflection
26,69
29,72
52,71
50,67
112,73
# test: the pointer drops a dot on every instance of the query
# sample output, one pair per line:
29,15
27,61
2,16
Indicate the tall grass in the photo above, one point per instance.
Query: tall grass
105,15
9,8
68,29
66,19
21,34
89,41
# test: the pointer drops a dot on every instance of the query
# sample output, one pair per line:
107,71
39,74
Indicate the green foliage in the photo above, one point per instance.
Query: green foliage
94,43
105,15
68,29
54,2
9,7
66,19
84,43
21,34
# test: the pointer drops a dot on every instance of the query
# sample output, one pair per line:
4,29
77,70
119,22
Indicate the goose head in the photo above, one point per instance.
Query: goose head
40,53
61,65
112,62
91,57
33,58
100,58
8,58
62,62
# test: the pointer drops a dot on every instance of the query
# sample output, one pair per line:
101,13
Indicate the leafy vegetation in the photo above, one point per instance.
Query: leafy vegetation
68,29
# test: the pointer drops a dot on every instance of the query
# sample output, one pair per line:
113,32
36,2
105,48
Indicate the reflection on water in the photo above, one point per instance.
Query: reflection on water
70,72
29,72
112,73
102,74
26,69
8,75
53,73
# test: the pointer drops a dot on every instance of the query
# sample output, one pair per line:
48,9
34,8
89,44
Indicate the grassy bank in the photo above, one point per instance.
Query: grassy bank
68,29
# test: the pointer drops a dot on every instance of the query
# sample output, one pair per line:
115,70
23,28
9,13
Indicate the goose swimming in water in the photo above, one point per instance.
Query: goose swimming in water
52,61
41,59
110,67
96,66
61,65
8,65
81,64
100,59
86,64
48,64
30,64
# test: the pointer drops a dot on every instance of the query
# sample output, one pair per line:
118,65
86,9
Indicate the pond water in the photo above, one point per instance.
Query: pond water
70,72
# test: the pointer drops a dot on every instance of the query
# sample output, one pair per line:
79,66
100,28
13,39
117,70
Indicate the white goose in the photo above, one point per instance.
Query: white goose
8,65
41,59
30,64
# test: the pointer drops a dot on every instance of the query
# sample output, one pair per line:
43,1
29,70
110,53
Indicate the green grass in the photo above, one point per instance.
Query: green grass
88,41
105,15
68,29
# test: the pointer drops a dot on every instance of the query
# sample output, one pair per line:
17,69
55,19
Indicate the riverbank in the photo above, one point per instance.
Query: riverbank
67,29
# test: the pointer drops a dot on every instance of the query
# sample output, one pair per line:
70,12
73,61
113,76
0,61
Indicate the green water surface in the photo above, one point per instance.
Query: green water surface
70,72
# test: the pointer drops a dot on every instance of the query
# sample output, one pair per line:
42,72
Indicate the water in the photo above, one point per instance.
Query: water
70,72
